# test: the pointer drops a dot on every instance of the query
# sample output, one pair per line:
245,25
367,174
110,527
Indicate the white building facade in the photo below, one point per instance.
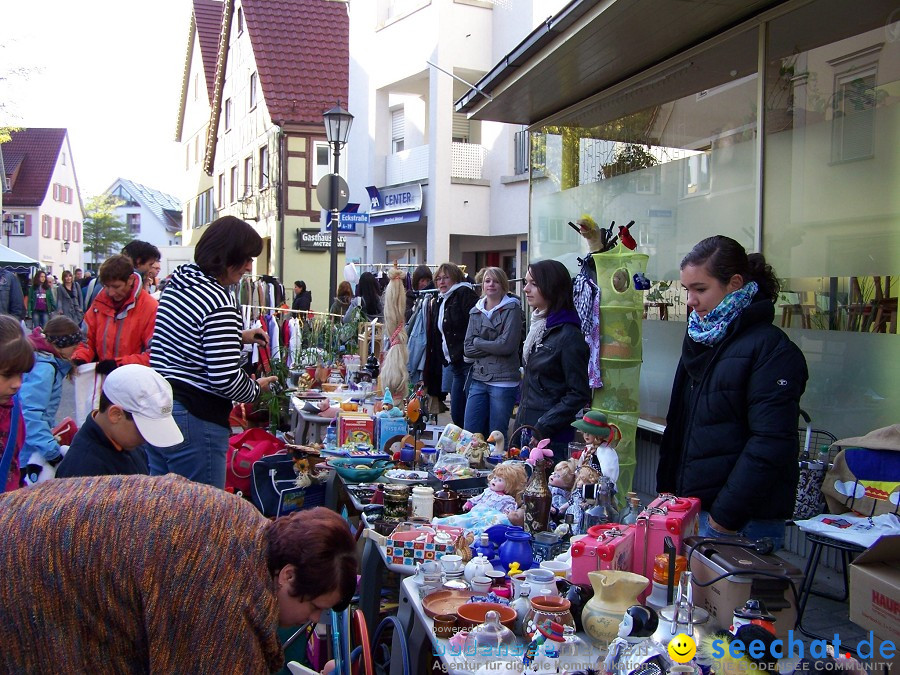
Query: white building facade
449,188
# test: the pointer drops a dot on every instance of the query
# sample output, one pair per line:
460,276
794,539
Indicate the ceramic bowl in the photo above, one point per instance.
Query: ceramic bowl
359,469
405,477
472,614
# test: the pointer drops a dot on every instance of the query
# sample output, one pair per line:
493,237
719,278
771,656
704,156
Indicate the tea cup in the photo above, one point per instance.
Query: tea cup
451,562
481,584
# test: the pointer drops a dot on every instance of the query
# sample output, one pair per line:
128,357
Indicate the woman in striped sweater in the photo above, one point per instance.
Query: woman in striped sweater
197,348
140,574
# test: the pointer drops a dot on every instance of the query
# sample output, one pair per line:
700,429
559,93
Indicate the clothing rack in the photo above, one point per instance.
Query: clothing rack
295,311
411,266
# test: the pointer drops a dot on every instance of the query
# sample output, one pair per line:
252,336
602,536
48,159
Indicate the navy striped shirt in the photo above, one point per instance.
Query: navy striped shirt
197,338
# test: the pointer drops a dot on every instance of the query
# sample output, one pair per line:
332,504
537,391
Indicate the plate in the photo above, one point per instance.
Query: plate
411,477
444,602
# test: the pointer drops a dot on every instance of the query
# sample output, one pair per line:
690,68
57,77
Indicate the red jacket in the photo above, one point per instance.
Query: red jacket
125,336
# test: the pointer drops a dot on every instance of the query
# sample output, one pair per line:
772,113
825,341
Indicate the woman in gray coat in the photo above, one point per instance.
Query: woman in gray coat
68,298
492,341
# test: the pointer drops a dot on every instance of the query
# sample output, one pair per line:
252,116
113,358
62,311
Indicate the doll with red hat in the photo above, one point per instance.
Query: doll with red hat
600,437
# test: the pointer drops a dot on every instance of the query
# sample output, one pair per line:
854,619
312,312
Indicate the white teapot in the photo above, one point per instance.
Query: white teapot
477,567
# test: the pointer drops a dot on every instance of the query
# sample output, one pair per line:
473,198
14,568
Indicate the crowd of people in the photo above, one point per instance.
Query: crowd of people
171,367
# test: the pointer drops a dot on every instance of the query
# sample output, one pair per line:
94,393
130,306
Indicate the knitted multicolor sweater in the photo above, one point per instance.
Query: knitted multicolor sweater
134,574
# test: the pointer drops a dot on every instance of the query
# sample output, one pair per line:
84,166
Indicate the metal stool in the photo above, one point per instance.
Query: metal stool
819,542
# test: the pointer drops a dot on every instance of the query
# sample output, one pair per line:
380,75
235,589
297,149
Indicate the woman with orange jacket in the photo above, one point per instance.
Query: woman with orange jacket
120,321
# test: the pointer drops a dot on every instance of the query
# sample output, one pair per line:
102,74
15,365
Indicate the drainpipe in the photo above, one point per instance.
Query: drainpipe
279,202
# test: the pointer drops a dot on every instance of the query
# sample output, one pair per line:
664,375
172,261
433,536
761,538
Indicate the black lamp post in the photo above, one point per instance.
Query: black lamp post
8,223
65,246
337,130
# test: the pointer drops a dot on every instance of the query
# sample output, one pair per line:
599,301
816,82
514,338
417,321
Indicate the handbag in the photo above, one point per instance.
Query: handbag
274,490
244,449
810,501
15,417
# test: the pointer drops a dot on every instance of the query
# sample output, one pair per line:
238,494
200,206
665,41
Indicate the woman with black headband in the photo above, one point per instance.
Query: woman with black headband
41,392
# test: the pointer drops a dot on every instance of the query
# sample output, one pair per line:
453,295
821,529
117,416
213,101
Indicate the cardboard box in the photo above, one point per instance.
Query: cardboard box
355,428
875,589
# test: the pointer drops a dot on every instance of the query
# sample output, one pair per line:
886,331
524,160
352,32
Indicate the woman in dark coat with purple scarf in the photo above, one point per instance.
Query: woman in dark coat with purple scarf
555,385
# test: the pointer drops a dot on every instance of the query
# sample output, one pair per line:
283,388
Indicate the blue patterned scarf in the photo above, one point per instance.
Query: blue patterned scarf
711,328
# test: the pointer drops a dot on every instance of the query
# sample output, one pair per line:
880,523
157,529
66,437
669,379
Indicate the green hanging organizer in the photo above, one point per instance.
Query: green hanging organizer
621,314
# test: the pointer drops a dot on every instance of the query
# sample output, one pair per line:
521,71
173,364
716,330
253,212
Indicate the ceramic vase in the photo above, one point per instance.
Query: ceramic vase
516,548
548,607
614,592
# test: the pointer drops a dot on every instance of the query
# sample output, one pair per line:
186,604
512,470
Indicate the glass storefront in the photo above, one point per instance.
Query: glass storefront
679,153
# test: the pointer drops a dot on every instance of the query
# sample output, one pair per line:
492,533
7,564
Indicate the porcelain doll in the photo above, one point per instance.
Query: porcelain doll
505,484
633,645
575,507
561,481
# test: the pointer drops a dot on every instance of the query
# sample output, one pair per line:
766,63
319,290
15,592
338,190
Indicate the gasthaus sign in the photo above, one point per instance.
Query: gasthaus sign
310,239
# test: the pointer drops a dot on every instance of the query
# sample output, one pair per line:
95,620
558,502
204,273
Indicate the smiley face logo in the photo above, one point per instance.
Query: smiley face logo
682,648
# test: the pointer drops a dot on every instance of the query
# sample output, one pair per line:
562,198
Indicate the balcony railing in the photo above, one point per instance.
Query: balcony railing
466,161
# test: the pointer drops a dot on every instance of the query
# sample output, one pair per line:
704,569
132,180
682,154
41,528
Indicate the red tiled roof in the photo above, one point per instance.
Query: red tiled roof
302,55
35,151
208,17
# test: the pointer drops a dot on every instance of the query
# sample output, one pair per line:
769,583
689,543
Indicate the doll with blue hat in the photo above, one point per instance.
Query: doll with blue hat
388,409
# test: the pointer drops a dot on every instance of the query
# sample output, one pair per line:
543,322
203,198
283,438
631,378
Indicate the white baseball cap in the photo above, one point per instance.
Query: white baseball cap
144,393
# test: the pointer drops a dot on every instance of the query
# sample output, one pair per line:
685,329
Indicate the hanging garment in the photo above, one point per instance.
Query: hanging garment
416,343
586,295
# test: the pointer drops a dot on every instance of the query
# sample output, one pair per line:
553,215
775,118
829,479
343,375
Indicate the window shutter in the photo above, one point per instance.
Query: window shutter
398,125
27,224
69,194
56,228
460,128
76,231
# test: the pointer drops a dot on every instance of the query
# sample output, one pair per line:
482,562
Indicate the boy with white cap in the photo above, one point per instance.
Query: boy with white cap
135,408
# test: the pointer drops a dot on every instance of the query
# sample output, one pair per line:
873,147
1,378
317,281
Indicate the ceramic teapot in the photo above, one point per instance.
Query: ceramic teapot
478,566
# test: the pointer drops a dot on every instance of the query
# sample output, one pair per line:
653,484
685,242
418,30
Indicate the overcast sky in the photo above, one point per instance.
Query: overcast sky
108,71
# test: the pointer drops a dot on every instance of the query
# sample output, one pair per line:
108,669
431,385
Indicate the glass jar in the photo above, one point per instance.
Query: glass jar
423,502
489,642
396,500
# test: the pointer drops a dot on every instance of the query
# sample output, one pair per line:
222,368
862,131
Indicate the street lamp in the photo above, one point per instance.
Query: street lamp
8,224
337,130
65,246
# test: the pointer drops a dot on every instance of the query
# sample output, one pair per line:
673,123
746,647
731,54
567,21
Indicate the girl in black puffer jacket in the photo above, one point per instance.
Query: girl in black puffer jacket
731,432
